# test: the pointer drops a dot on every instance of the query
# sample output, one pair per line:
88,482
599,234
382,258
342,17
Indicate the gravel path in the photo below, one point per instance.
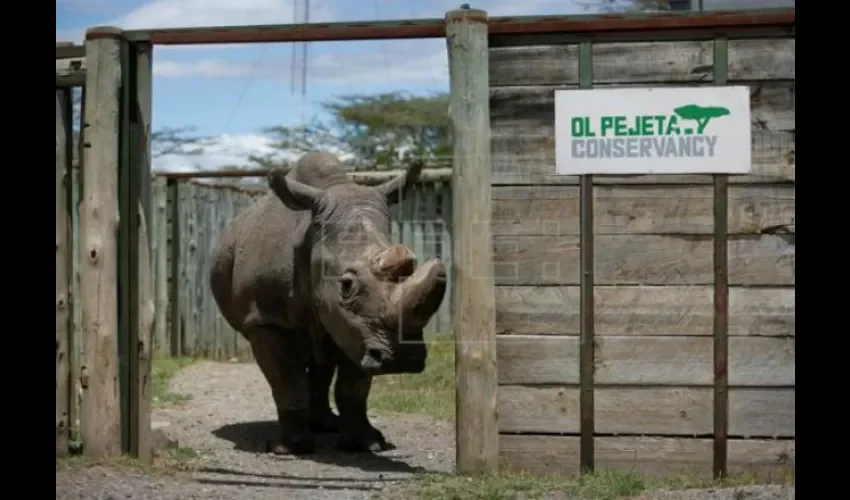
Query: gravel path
230,419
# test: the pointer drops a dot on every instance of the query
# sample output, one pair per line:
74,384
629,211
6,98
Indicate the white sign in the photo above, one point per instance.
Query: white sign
688,130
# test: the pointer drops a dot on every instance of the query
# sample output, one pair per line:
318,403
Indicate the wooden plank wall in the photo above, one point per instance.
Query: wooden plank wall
654,310
422,221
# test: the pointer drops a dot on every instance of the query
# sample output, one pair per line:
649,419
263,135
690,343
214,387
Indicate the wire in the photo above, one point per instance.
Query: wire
247,86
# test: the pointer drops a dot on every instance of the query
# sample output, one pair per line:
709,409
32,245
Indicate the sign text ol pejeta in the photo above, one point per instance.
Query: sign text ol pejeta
645,136
679,134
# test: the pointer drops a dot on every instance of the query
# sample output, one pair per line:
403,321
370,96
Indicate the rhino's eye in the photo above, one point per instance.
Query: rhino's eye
347,284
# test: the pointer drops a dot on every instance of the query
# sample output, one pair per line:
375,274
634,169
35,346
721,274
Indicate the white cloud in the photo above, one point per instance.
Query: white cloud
224,151
400,62
395,62
190,13
208,67
230,151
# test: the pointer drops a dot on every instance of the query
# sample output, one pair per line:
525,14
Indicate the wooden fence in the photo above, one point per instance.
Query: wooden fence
676,350
202,210
656,380
104,300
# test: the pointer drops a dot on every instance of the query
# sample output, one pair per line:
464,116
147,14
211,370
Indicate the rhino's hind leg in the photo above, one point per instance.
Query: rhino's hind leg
322,418
284,367
351,393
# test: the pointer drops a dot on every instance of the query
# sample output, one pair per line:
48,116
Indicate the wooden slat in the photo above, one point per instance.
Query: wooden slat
70,72
530,111
64,276
768,459
644,310
765,59
147,317
657,360
762,412
523,145
554,210
772,59
530,159
644,260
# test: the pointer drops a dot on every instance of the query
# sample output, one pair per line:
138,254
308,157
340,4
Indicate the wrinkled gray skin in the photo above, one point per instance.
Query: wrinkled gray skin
308,275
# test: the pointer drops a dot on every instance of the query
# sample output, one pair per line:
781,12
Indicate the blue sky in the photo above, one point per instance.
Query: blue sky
232,92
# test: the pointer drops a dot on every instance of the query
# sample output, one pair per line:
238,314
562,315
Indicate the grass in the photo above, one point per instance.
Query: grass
163,370
607,485
431,392
170,461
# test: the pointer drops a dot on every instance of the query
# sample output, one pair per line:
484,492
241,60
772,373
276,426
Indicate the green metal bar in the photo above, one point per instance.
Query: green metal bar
587,332
175,330
721,290
124,244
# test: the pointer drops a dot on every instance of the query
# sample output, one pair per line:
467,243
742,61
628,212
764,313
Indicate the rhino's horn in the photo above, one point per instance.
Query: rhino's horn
419,297
393,263
295,195
395,189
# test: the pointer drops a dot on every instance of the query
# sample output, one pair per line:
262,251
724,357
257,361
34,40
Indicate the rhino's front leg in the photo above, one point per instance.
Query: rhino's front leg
322,418
284,364
351,393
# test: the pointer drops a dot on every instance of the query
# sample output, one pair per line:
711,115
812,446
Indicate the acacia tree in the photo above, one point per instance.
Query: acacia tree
700,114
382,131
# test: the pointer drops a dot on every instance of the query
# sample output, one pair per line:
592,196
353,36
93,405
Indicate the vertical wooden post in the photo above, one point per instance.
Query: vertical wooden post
160,239
64,273
587,332
474,295
76,197
721,291
141,436
100,414
141,331
175,331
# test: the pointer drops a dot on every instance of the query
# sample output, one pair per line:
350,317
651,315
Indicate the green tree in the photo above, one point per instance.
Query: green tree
702,115
180,141
386,130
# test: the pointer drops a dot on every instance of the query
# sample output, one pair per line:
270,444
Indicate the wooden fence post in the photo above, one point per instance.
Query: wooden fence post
175,330
474,295
100,414
159,236
138,79
64,273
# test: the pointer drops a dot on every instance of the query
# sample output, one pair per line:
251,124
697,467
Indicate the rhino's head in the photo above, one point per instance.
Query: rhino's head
369,294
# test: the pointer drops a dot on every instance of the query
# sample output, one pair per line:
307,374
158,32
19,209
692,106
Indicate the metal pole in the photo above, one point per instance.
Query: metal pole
721,292
587,333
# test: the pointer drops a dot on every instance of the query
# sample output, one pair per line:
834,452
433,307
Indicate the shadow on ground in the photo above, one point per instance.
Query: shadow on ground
256,437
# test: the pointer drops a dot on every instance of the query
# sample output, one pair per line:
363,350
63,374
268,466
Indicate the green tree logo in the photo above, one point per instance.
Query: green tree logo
702,115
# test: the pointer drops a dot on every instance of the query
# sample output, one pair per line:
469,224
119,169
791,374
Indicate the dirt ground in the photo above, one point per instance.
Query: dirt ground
230,419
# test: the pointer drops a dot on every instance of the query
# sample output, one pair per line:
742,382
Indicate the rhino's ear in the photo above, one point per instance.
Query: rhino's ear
394,190
295,195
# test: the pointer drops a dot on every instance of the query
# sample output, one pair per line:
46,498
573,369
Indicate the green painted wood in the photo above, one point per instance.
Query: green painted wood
159,246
